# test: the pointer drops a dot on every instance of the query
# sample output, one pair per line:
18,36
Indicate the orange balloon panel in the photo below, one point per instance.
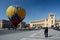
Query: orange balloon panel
21,12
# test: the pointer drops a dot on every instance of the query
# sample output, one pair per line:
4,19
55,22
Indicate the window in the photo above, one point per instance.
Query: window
46,19
37,24
33,25
52,21
51,17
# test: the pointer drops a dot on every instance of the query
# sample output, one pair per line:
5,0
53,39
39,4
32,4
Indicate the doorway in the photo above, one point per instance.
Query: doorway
52,26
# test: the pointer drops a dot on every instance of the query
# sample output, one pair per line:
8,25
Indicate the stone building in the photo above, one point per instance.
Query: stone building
47,22
6,24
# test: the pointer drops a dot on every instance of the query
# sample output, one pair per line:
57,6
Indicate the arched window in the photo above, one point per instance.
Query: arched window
52,21
51,17
33,25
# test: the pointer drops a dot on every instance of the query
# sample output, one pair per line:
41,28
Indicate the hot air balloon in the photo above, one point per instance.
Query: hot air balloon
15,14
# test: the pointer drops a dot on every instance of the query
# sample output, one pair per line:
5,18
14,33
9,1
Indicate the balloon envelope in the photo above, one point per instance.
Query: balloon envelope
16,14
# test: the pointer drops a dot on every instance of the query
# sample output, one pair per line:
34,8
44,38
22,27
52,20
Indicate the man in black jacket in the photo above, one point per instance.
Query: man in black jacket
46,32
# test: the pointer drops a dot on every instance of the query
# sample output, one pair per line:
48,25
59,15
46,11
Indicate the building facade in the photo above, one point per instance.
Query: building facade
47,22
6,24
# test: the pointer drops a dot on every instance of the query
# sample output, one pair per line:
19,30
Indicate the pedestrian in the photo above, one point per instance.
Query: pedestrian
46,32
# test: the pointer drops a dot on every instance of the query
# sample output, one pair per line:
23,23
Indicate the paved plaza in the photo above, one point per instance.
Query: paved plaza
32,35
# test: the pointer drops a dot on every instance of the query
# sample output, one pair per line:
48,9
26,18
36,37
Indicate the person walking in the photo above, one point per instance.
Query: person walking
46,32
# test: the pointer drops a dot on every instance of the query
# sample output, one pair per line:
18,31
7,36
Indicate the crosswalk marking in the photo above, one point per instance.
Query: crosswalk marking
33,35
30,39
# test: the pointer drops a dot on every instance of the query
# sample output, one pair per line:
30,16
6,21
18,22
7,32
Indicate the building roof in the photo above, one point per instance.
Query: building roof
37,21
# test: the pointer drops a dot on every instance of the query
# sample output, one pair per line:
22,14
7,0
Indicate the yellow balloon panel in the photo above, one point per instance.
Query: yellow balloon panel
21,13
11,11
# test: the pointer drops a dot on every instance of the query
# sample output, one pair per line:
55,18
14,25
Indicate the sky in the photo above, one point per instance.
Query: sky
35,9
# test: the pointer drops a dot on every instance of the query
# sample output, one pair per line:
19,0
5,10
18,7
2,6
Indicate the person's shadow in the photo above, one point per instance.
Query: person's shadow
50,35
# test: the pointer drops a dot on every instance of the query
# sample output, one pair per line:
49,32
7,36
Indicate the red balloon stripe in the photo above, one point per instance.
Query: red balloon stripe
15,21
